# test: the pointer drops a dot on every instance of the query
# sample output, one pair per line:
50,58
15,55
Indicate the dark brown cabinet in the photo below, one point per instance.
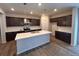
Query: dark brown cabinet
68,20
53,20
64,36
16,21
35,22
63,21
10,36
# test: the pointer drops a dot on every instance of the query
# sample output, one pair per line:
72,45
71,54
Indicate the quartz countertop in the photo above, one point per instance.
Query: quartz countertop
67,31
31,34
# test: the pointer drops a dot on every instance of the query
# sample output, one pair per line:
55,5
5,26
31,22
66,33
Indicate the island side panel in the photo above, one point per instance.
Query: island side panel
32,42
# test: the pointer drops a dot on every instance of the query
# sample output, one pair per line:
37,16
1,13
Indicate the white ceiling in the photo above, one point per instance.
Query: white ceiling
37,10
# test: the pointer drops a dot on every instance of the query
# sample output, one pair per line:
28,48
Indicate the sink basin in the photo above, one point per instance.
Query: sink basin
35,32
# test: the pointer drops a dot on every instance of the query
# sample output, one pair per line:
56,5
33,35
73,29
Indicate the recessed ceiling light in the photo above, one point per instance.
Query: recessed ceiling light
39,4
31,12
12,9
55,10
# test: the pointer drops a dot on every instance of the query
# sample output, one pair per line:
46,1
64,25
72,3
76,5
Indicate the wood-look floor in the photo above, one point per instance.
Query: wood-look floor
54,48
8,49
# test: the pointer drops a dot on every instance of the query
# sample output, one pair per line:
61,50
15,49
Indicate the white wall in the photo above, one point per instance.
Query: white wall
2,26
75,26
0,31
64,29
44,22
54,27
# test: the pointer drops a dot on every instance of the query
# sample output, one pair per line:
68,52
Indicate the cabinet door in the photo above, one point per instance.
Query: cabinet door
66,37
10,36
53,20
35,22
68,20
65,21
61,21
14,21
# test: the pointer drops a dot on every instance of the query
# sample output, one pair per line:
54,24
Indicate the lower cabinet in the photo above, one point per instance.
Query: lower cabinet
10,36
66,37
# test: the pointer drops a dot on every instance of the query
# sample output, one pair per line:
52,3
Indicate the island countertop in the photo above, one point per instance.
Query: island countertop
31,34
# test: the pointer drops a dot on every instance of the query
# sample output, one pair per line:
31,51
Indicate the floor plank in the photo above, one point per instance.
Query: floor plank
8,49
54,48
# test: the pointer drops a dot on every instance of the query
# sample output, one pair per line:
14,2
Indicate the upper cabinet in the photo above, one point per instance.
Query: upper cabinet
63,21
68,20
53,19
16,21
35,22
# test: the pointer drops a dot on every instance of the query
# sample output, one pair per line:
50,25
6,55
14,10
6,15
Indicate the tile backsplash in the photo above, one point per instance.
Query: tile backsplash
20,28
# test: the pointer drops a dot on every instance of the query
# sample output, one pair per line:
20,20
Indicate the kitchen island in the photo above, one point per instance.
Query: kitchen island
30,40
